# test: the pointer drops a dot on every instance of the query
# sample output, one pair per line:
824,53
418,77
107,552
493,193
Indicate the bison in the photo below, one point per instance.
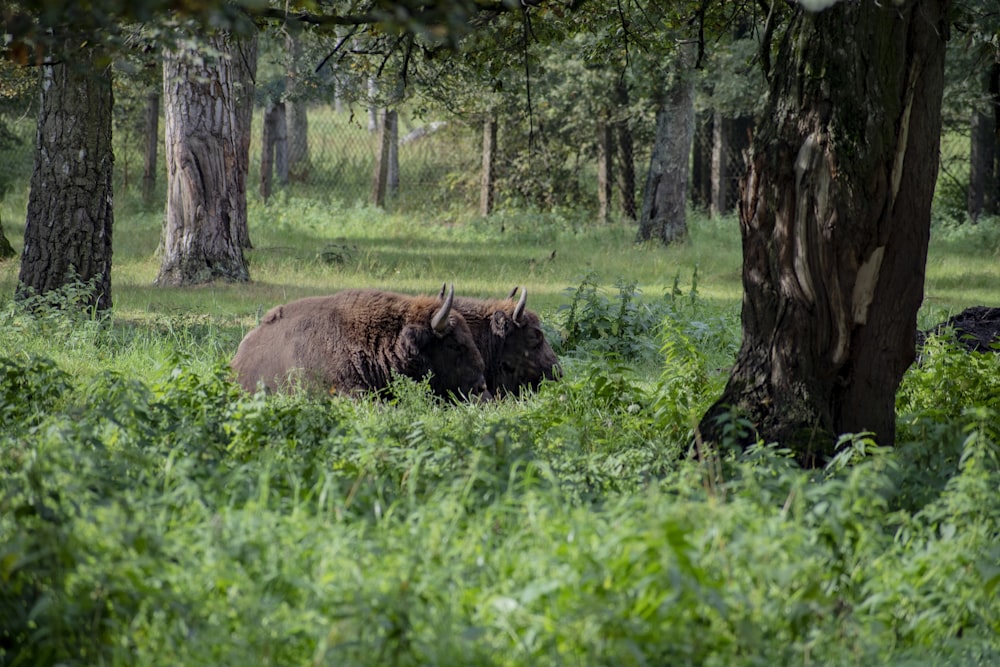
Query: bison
354,341
511,342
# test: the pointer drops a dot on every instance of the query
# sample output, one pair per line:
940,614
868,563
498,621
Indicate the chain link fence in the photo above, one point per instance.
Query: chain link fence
439,162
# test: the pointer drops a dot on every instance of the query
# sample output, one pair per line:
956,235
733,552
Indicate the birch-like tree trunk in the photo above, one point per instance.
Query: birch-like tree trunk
208,103
296,115
67,237
835,219
664,200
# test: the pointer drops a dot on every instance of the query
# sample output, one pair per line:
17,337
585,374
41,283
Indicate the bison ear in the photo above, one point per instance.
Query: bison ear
500,324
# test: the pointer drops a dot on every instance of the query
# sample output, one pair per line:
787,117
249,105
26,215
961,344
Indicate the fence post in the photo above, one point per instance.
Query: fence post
383,157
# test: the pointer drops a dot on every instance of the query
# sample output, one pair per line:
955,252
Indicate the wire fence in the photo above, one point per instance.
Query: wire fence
439,162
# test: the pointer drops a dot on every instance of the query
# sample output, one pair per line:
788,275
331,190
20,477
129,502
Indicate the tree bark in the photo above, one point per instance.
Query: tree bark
151,128
380,182
605,153
835,221
486,187
730,137
67,237
701,161
984,161
208,107
665,196
392,173
296,116
626,154
274,148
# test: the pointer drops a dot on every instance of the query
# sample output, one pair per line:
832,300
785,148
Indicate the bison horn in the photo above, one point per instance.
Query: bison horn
440,320
519,308
510,296
444,287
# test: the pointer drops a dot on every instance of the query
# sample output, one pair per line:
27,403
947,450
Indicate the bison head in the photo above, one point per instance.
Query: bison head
445,348
526,357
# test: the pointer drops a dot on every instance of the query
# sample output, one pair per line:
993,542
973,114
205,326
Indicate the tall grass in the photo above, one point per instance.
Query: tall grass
152,513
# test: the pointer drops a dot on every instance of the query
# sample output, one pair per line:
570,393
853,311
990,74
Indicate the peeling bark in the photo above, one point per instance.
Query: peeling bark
835,220
208,104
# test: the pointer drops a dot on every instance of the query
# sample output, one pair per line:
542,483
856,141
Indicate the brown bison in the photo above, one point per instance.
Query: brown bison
511,342
355,340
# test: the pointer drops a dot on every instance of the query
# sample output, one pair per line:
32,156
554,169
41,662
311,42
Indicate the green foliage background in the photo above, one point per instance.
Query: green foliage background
151,513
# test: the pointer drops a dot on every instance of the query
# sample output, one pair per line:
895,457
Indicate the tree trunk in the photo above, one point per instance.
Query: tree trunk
273,148
835,220
380,183
664,199
625,150
392,173
296,116
701,161
605,152
208,107
151,129
67,237
730,138
486,187
984,165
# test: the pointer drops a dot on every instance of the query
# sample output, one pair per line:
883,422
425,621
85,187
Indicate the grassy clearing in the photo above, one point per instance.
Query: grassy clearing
152,514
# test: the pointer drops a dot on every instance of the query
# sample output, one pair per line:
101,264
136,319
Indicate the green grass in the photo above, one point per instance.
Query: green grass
152,514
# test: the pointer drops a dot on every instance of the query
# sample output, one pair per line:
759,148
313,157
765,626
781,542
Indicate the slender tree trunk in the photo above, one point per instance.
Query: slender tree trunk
486,187
984,149
835,220
701,161
67,237
208,104
392,173
730,138
665,196
274,148
151,129
982,156
296,116
626,154
380,183
605,183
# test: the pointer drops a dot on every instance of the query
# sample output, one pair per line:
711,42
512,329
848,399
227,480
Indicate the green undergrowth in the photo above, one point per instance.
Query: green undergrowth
167,518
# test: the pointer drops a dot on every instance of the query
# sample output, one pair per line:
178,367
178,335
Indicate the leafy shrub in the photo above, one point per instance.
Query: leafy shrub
28,389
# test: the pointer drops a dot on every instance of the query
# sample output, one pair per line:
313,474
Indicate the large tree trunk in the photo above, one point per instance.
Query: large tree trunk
208,105
67,237
664,199
835,220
